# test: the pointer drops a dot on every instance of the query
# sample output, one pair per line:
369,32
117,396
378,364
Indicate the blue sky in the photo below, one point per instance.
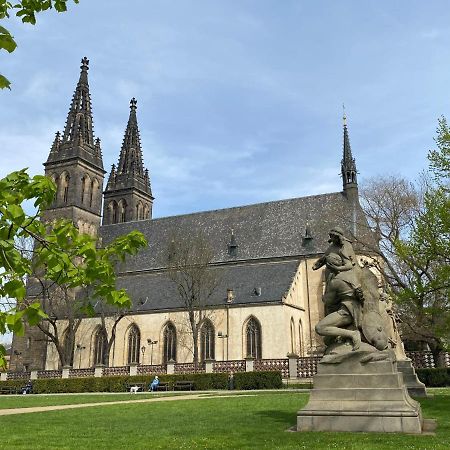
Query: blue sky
239,102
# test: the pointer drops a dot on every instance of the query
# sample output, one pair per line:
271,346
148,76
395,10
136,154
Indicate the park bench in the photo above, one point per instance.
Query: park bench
183,385
140,386
163,386
9,390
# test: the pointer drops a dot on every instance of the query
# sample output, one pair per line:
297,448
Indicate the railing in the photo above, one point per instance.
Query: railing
189,368
229,366
273,364
421,360
19,375
49,374
79,373
307,366
155,369
116,371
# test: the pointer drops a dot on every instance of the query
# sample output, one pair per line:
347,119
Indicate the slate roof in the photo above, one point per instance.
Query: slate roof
264,230
155,291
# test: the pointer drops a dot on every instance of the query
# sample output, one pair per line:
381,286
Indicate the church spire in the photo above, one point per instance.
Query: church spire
79,127
348,165
77,140
128,194
130,160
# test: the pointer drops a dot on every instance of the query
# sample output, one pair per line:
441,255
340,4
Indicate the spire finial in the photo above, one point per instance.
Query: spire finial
133,104
84,64
344,117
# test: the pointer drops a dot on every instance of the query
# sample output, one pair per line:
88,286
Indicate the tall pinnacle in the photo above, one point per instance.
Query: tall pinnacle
78,127
130,160
348,165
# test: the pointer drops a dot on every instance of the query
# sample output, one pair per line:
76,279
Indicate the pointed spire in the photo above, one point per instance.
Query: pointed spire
348,165
130,160
79,129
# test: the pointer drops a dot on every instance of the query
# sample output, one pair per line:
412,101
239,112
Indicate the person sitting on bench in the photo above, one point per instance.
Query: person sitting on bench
154,384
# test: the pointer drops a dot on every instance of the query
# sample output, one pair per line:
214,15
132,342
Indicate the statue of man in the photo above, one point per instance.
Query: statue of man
343,296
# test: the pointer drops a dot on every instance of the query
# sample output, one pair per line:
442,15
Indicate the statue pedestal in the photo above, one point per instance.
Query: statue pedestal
415,387
354,396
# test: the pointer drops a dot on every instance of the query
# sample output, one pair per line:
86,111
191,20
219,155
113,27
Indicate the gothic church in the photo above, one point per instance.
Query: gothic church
268,300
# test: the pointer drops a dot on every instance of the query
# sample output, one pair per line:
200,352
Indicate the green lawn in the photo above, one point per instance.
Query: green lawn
258,421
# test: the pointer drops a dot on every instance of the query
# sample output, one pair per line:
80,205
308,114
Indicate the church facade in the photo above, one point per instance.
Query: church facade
268,299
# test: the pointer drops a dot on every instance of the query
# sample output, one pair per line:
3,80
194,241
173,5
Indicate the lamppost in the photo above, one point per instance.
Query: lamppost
220,335
143,353
152,343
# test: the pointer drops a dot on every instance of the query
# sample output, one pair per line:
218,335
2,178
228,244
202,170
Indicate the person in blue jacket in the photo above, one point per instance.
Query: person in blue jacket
154,384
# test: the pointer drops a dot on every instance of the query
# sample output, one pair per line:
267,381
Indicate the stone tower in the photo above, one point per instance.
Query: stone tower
75,164
128,194
348,167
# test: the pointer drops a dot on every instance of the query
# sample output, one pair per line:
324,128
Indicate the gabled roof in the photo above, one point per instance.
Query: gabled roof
155,291
265,230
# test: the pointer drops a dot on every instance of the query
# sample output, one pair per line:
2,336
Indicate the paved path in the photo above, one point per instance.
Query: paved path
34,409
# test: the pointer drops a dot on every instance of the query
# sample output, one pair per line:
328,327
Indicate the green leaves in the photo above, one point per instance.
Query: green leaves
6,40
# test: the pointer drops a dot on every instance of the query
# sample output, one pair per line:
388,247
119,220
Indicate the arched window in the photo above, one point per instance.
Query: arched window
83,189
253,336
207,344
170,343
113,212
139,209
134,342
301,350
65,181
122,211
100,342
292,336
146,213
94,189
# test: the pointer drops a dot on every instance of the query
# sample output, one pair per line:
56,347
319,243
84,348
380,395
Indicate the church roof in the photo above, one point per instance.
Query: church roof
264,282
265,230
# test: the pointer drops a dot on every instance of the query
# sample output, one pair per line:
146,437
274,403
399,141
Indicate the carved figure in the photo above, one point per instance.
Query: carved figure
343,295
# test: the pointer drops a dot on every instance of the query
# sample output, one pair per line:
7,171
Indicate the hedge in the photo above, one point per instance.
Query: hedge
202,381
434,377
258,380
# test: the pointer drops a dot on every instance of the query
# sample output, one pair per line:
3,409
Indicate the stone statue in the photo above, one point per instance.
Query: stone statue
351,301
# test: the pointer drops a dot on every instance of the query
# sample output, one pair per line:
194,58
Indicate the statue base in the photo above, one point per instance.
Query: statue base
351,395
415,387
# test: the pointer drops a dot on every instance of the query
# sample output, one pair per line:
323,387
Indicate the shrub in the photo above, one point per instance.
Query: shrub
434,377
202,381
258,380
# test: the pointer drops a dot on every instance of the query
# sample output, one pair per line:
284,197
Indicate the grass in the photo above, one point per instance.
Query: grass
258,421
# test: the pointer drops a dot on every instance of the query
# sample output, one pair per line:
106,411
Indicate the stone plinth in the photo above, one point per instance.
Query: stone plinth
355,396
415,387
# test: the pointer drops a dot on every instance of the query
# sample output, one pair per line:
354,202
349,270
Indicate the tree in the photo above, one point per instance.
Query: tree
189,259
26,10
65,261
413,225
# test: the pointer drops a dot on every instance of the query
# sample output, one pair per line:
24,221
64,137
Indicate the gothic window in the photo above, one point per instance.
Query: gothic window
253,337
300,339
139,209
65,187
146,212
170,343
122,211
99,346
83,189
134,342
94,188
113,212
292,336
207,335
